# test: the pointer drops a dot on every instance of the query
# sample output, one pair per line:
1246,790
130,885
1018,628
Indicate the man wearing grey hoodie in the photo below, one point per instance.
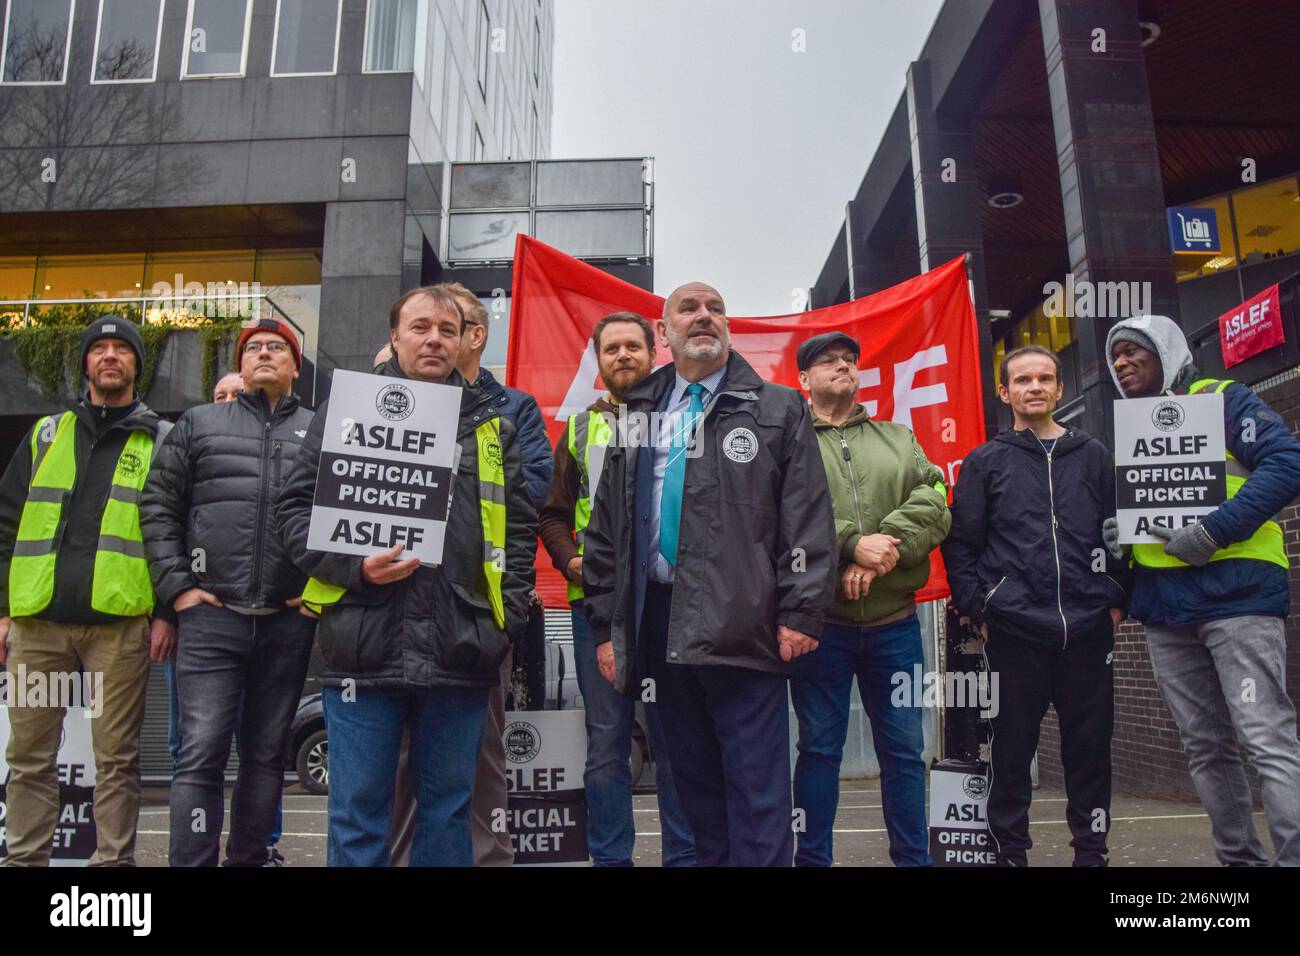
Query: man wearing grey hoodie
1214,599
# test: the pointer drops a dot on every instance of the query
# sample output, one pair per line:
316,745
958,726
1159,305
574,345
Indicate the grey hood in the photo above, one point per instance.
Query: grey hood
1171,346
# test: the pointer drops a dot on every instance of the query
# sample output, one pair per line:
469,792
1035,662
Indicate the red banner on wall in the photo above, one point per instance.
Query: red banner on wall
1252,327
919,364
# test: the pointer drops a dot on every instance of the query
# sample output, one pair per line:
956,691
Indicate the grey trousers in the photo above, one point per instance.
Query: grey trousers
487,828
1225,681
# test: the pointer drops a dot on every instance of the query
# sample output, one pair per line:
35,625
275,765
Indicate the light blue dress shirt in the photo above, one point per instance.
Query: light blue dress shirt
670,421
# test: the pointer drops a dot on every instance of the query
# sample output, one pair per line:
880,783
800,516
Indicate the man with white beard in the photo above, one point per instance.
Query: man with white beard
709,564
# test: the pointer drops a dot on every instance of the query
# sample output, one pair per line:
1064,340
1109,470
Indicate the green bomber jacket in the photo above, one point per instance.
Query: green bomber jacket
881,481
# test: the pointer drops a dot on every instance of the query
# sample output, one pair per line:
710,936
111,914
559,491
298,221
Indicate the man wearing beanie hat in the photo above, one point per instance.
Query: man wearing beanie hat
1215,597
243,647
75,595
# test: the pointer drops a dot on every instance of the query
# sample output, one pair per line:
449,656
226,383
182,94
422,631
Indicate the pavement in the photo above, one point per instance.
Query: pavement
1144,832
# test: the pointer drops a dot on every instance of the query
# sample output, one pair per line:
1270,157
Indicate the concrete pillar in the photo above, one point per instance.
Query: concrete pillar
361,276
1111,189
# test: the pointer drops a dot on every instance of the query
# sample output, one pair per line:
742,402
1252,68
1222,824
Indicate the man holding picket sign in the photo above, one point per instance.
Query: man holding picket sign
409,645
1214,598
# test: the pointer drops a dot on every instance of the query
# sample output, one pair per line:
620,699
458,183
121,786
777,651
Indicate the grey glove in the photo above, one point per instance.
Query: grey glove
1191,545
1110,538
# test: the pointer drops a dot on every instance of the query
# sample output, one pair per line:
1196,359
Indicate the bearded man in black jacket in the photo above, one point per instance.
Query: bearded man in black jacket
208,514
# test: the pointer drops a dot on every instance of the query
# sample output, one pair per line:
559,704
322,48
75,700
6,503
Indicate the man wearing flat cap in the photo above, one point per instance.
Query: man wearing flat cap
891,511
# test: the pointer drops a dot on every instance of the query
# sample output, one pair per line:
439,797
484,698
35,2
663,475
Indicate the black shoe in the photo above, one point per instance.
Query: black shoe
273,857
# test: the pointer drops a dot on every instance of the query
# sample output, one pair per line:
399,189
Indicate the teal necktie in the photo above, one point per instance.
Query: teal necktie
670,505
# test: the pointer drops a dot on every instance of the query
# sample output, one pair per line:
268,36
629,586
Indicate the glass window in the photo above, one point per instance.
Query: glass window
288,267
603,232
451,123
484,43
306,37
81,277
485,235
612,183
126,43
466,130
420,61
17,274
498,117
391,31
179,269
438,74
1268,220
217,37
489,185
498,310
36,41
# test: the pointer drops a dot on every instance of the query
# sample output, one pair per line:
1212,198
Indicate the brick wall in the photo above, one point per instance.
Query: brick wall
1146,755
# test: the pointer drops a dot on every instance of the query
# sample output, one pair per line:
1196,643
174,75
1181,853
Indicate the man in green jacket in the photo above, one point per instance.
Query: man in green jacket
891,511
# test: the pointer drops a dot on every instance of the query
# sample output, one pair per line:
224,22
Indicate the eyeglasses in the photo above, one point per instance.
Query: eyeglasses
274,347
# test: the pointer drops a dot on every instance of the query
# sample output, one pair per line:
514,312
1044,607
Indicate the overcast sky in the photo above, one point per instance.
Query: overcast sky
757,147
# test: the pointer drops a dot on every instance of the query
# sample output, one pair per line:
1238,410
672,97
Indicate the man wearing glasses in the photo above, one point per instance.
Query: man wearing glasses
891,511
208,514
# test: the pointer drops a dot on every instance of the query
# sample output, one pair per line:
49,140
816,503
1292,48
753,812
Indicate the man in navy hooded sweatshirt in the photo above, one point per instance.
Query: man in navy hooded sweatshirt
1214,599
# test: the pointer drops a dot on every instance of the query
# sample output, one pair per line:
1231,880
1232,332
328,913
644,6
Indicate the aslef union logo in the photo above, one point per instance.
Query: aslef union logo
740,445
523,741
130,463
395,402
975,786
1168,416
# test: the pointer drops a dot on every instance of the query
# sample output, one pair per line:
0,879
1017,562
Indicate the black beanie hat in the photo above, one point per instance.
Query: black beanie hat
113,327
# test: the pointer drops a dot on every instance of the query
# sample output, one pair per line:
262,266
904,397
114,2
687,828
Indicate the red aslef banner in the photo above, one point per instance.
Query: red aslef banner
1252,327
919,365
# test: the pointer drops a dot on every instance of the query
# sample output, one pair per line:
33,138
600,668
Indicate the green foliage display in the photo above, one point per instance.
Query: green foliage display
49,346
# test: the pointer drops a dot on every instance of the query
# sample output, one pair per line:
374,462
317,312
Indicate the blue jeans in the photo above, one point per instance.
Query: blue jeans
233,670
611,832
173,714
174,740
446,729
821,686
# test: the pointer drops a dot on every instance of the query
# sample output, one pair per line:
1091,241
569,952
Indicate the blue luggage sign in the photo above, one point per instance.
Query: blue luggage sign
1192,229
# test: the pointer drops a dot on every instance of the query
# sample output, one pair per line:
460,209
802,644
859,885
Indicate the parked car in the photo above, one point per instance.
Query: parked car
308,746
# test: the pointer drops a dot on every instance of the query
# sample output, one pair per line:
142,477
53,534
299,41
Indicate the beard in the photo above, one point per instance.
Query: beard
621,381
115,389
695,351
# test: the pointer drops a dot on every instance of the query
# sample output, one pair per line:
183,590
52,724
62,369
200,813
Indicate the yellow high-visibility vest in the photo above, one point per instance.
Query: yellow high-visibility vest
492,513
120,584
1266,544
586,430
